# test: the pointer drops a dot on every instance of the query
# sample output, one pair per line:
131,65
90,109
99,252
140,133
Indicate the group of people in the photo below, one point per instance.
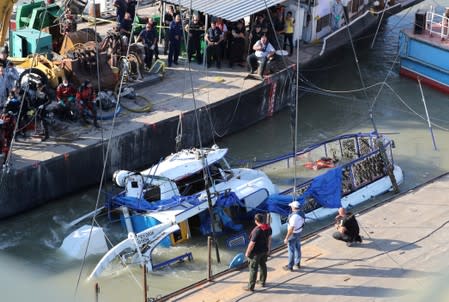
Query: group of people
259,247
27,107
223,40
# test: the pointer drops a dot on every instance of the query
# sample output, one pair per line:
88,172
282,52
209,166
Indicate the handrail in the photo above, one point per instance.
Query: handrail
323,48
442,24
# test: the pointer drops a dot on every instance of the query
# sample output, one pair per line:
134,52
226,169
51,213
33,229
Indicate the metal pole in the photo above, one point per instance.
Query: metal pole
211,214
145,286
97,291
209,258
427,115
388,166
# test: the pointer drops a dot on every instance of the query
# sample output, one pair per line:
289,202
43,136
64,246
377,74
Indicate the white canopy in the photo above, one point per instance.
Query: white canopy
231,10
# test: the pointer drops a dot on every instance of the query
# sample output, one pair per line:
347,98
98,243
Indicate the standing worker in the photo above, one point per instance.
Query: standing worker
296,222
175,34
257,252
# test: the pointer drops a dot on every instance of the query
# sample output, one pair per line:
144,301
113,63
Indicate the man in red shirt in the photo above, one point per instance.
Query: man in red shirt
65,95
85,98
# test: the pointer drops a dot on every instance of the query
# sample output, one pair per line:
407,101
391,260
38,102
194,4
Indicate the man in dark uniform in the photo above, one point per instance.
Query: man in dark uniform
121,7
257,252
347,227
168,18
149,39
213,39
194,45
175,34
237,44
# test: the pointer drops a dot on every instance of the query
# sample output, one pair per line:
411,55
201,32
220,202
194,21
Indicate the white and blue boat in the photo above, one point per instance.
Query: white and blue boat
424,50
161,205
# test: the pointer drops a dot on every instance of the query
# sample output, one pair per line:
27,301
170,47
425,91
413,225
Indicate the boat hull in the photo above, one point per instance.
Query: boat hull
423,57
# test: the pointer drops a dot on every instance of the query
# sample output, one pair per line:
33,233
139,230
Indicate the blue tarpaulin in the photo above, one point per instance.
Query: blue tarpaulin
140,204
326,189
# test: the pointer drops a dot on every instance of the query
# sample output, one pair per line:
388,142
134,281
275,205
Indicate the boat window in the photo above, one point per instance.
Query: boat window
194,183
134,184
191,184
152,193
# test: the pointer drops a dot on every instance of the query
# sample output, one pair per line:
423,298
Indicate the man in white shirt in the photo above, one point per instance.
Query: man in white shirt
264,51
293,236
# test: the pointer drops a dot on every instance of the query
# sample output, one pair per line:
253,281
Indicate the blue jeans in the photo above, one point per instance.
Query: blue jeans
294,250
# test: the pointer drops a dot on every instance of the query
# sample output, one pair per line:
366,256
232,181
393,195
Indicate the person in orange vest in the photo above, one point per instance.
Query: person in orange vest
85,99
65,96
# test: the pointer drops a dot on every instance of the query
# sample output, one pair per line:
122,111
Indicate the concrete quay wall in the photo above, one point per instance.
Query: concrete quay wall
27,187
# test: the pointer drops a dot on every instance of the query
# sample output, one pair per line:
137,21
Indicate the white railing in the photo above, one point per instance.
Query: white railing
437,24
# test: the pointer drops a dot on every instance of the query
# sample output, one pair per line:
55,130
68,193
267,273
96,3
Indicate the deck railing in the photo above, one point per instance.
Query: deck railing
437,24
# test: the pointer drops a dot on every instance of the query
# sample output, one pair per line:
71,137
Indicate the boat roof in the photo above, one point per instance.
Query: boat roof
186,162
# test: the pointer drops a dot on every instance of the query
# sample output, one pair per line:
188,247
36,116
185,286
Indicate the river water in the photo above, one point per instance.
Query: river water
28,244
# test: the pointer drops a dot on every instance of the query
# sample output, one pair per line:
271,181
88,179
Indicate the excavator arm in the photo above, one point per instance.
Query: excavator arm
6,8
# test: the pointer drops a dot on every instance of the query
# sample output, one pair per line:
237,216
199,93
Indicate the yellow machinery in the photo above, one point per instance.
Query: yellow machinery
6,8
75,59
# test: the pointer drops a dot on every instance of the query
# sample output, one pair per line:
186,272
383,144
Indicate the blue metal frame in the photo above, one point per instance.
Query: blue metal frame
180,258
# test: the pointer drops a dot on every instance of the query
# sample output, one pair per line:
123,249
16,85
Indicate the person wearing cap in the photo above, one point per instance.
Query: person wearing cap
347,227
293,237
257,252
65,96
85,98
214,37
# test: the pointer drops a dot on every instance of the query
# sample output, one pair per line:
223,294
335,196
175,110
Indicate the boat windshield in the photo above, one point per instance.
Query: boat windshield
194,183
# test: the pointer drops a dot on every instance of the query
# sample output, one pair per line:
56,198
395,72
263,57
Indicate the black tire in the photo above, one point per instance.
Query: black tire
34,74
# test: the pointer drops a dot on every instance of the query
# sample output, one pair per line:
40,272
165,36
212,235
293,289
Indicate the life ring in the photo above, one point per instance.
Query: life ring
237,261
322,163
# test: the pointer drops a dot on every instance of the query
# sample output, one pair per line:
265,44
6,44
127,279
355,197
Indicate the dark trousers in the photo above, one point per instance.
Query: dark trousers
173,51
289,38
166,40
346,238
148,56
42,119
214,51
237,50
253,63
254,263
194,47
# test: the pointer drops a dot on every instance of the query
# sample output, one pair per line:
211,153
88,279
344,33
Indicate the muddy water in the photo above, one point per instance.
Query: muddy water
29,242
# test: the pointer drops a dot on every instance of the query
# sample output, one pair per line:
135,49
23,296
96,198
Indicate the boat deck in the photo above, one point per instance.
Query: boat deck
402,258
426,36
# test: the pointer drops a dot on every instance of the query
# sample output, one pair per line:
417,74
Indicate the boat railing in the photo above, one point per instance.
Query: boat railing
356,174
437,24
349,146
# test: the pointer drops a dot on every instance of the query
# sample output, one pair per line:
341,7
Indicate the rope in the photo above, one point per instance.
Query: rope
104,166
